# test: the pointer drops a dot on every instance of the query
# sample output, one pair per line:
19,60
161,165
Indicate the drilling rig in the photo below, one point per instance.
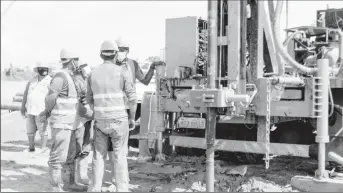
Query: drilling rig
231,84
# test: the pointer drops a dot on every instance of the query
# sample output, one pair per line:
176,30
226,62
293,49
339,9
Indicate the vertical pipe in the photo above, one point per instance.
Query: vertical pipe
322,122
211,84
243,66
221,28
160,124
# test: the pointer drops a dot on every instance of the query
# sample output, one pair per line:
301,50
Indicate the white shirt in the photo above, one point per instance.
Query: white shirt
37,92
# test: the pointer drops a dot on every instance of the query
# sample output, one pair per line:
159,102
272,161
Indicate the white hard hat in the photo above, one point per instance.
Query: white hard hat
67,54
41,65
109,46
122,43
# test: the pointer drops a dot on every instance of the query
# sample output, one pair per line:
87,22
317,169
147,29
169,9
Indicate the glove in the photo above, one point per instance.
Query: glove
23,111
156,63
132,124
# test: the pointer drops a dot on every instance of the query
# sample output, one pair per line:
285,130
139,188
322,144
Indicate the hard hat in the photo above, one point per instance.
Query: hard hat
42,65
67,54
109,46
122,43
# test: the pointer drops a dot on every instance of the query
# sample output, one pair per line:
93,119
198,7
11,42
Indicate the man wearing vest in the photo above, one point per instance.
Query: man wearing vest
108,84
83,128
33,104
136,73
61,108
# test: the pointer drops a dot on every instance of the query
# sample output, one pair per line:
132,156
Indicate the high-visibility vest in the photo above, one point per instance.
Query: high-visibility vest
65,110
36,94
107,88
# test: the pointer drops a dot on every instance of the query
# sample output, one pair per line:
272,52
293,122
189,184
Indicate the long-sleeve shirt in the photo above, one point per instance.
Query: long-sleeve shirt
58,87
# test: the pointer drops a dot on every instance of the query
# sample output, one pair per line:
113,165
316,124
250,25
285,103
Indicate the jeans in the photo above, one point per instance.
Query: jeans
63,151
118,131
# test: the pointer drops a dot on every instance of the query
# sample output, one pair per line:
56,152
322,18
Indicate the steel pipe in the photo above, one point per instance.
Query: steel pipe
17,99
289,81
211,84
337,158
20,94
323,121
14,106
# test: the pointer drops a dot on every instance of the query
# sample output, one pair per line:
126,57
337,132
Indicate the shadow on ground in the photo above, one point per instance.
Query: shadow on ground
23,178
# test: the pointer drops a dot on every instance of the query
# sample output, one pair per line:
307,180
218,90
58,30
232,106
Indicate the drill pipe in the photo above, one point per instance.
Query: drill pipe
211,84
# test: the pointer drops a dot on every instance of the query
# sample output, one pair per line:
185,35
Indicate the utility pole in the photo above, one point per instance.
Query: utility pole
211,84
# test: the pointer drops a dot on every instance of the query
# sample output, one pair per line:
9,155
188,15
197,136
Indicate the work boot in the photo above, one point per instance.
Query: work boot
55,180
81,170
69,181
31,143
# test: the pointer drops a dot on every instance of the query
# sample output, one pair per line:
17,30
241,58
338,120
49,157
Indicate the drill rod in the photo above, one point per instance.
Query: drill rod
211,84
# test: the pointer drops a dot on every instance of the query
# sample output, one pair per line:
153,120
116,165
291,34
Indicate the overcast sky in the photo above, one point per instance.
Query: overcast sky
37,30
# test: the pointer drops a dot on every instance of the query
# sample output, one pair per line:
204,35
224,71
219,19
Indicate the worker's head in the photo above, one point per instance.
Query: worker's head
85,70
42,69
123,47
109,51
69,60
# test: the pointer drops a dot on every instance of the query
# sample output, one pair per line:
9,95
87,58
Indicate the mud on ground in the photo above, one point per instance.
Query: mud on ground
28,172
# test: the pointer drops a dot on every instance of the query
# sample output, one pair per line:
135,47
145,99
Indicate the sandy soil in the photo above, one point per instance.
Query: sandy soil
27,172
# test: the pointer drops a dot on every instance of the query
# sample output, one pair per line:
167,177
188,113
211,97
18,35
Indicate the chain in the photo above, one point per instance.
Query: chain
268,123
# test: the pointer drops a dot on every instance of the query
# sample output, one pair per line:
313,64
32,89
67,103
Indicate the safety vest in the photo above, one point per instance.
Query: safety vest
106,83
36,94
130,66
65,110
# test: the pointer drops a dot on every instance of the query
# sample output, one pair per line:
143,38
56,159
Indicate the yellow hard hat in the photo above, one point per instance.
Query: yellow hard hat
122,43
109,46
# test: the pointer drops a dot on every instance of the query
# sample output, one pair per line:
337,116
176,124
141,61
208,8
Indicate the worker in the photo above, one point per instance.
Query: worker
61,108
83,128
33,104
108,84
136,73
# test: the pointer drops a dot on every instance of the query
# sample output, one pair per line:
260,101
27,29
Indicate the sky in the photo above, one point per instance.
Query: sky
34,31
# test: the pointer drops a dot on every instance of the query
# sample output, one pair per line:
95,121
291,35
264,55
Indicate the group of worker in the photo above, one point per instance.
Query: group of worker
86,109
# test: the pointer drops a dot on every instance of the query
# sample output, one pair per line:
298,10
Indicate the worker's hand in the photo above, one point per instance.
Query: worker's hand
43,117
132,124
88,112
156,63
23,111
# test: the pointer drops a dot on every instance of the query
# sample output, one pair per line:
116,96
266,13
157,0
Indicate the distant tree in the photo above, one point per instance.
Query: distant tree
153,58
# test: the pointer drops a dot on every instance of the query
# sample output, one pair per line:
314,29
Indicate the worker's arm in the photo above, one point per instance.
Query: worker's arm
23,103
140,76
58,87
130,92
89,100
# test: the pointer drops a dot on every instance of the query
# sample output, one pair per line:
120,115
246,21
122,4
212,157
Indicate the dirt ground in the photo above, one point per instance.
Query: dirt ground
28,172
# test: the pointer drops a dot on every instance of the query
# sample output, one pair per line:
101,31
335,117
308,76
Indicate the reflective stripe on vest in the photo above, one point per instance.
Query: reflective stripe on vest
65,110
108,98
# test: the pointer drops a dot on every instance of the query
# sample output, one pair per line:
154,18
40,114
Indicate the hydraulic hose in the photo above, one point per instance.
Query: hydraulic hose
280,47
